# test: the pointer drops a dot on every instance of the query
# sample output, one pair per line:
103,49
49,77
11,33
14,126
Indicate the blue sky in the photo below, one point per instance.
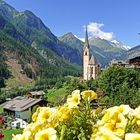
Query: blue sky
109,19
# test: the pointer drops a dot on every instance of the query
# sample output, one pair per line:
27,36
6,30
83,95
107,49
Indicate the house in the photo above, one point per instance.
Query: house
135,61
36,94
131,63
21,107
120,63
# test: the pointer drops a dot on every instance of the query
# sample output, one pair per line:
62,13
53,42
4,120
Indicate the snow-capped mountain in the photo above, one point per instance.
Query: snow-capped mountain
120,45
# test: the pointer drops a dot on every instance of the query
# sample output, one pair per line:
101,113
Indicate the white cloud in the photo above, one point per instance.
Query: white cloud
94,29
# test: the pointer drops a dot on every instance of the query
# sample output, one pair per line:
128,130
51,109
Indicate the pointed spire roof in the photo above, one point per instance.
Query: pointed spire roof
86,39
93,60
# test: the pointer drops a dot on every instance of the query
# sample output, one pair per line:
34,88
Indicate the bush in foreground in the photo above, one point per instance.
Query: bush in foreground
77,120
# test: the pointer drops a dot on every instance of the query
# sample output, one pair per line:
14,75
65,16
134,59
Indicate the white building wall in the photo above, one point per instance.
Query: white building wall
25,115
85,63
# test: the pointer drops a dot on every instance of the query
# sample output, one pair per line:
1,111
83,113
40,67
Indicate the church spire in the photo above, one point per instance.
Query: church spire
86,39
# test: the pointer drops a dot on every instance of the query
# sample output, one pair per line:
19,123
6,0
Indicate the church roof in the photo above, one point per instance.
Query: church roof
86,39
92,60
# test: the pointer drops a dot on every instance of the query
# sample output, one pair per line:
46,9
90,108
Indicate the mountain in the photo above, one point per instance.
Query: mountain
29,49
104,50
120,45
34,30
72,42
134,52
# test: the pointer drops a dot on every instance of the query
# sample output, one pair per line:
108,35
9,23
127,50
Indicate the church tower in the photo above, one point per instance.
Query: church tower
86,56
91,69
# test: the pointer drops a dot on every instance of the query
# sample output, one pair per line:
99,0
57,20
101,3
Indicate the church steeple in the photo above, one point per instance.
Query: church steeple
86,39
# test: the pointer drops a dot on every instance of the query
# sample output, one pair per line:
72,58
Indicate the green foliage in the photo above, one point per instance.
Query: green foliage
113,78
8,133
57,96
4,72
64,86
121,86
1,110
79,125
34,109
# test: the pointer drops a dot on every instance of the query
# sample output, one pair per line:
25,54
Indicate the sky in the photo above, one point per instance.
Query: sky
107,19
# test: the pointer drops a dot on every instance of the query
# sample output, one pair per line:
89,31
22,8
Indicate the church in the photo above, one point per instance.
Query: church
91,69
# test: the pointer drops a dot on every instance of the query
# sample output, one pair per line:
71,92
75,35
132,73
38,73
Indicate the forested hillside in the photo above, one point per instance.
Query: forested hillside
25,58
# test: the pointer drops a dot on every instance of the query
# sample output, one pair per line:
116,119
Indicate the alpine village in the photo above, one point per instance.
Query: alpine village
63,88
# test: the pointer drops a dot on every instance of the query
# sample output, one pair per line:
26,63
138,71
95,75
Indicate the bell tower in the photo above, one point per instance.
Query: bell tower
86,56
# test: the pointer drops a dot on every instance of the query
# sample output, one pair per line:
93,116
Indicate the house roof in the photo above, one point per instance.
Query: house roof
92,60
20,103
37,93
135,58
114,61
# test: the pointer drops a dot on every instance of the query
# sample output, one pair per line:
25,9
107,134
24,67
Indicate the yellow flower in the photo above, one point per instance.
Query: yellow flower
35,115
65,113
89,95
44,114
17,137
114,121
25,136
125,109
137,112
34,127
119,132
74,99
47,134
138,122
104,134
62,114
132,136
108,114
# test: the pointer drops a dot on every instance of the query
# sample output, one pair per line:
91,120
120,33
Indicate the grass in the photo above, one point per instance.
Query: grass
1,109
55,96
12,83
8,133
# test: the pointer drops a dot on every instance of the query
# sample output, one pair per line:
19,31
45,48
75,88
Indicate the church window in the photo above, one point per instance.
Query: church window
91,70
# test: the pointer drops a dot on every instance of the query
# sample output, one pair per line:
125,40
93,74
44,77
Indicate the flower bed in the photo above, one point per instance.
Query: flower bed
77,119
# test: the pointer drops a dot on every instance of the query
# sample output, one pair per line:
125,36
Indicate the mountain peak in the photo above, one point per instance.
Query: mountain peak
69,34
29,13
120,45
69,37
